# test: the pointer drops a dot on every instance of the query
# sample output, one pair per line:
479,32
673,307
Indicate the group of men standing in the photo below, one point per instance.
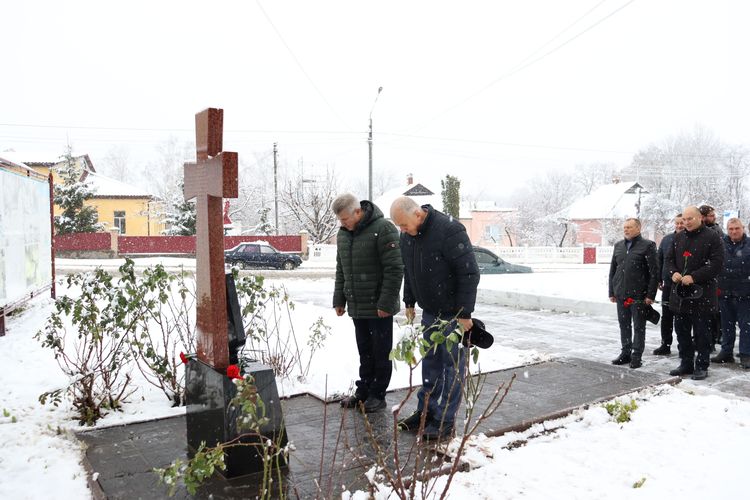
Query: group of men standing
704,277
434,258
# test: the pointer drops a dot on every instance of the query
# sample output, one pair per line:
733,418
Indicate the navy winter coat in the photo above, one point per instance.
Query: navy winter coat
440,271
734,279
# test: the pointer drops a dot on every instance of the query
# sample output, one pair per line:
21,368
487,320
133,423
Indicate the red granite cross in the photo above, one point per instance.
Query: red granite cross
212,178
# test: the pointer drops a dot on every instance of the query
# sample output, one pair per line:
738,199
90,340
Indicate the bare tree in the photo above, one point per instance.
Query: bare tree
116,164
308,203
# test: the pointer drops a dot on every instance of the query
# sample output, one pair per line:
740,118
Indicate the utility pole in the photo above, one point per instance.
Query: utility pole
369,143
275,190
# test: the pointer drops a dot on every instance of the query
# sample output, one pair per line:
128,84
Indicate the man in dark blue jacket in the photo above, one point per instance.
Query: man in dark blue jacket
441,275
734,295
665,285
633,279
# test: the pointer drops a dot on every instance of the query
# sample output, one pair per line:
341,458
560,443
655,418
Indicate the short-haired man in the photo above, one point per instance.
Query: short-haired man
708,214
368,279
441,275
734,294
665,285
696,258
633,280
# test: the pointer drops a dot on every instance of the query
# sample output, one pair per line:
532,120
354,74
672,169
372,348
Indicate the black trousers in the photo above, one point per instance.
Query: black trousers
667,317
694,348
374,342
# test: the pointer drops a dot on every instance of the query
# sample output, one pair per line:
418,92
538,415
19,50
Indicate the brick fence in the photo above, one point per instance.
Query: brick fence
111,244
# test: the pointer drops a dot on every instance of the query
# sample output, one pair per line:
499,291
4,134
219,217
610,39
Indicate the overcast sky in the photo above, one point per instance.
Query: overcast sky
493,92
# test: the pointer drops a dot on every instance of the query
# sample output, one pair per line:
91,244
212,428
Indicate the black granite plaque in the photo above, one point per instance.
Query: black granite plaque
211,418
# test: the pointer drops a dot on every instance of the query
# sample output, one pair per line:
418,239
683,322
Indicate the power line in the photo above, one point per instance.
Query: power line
299,65
523,65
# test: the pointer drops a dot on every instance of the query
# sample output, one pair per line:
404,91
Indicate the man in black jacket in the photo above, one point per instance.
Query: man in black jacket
665,285
441,275
693,263
633,279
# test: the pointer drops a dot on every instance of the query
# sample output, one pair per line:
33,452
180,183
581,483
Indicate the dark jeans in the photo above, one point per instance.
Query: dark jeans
699,341
374,342
632,318
734,311
442,373
667,317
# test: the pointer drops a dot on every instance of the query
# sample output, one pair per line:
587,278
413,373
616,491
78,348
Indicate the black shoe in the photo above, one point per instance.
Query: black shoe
622,359
682,370
723,357
699,374
352,401
373,404
745,362
433,430
635,363
411,423
663,350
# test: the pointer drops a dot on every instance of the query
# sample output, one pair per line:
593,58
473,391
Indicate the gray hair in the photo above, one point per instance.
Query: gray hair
345,202
735,220
404,204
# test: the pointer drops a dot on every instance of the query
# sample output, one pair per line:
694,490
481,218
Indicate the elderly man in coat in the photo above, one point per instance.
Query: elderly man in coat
734,295
369,271
441,275
633,280
693,262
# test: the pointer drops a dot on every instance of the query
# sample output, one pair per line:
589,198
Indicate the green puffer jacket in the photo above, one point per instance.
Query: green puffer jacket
369,268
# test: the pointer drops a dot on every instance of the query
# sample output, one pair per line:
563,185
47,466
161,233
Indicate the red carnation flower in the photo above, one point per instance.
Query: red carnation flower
686,254
628,302
183,357
233,371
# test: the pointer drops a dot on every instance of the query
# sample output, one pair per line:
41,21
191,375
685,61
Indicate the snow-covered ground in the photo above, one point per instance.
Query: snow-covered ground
673,433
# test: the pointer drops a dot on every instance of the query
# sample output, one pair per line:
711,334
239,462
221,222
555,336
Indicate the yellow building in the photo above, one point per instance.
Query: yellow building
129,208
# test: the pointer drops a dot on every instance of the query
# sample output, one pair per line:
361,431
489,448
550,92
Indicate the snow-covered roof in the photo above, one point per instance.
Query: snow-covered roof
32,157
106,187
612,201
421,195
486,206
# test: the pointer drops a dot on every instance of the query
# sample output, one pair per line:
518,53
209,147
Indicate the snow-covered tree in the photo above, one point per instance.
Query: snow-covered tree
70,196
309,205
180,217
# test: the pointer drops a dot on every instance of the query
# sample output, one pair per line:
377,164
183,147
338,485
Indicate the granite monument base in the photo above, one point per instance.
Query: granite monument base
211,419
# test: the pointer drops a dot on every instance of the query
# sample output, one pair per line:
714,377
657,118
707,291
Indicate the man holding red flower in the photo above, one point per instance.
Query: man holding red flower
633,280
694,261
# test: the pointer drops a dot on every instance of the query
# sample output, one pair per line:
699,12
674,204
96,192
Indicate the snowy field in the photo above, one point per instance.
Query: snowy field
587,456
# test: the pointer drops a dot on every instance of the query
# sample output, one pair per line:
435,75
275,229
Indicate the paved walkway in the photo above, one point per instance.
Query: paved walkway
333,446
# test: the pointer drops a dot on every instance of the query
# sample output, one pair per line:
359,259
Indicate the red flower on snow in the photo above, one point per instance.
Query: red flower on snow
628,302
686,254
233,371
183,357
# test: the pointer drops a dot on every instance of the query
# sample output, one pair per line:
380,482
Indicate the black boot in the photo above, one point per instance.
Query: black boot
745,361
683,369
622,359
635,362
723,357
663,350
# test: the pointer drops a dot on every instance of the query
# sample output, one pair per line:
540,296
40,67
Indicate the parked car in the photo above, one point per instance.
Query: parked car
260,254
489,263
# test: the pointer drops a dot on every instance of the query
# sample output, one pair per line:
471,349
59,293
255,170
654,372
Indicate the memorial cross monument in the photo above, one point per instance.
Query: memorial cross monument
211,178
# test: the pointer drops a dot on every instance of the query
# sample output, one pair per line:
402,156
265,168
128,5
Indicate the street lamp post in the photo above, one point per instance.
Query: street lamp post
369,143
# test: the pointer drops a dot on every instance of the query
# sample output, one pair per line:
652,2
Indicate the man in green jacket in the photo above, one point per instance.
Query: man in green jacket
369,271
